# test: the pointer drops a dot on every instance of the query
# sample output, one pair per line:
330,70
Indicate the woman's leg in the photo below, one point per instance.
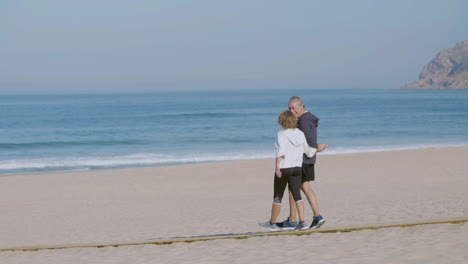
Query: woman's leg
300,210
275,210
295,187
279,185
292,207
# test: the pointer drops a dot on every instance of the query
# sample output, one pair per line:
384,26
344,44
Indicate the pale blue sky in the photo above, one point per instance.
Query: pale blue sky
113,45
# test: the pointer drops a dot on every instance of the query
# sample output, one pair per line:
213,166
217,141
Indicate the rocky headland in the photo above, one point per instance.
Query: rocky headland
448,70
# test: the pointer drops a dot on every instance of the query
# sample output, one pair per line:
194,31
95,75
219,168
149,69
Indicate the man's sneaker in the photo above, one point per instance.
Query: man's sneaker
301,226
268,225
287,224
318,222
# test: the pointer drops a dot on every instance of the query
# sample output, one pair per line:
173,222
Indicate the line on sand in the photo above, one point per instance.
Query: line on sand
233,236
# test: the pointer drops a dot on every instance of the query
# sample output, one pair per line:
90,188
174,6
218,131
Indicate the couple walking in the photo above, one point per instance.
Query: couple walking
296,146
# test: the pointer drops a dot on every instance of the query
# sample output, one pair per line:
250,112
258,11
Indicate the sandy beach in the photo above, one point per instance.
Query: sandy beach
145,204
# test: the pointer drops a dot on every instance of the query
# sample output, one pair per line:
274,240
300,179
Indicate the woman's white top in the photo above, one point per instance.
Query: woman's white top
291,143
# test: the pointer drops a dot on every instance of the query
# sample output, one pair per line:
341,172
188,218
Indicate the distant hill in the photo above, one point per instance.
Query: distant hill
448,70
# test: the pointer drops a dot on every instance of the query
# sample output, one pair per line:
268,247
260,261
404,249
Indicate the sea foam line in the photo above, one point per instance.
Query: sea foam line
158,159
126,160
370,149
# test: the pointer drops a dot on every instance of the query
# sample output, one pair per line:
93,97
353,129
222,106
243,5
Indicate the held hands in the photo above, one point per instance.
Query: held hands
321,147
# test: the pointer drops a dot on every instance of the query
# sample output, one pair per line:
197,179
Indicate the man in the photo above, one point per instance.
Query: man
307,123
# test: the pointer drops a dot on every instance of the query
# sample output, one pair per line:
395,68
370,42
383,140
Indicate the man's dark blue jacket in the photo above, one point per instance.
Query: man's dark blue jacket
308,124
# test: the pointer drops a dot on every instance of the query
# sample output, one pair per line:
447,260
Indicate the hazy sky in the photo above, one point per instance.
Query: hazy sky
113,45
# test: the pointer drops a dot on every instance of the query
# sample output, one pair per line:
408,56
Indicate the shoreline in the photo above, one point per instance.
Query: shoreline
123,167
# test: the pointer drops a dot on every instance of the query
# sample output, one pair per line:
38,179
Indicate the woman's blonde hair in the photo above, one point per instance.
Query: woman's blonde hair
286,119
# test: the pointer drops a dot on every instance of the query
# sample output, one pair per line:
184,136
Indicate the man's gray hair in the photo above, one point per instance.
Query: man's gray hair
299,100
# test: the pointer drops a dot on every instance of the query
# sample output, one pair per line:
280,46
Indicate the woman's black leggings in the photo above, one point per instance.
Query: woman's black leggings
291,176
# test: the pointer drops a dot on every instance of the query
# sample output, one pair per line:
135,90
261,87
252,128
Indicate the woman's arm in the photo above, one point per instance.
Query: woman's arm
277,166
321,147
310,151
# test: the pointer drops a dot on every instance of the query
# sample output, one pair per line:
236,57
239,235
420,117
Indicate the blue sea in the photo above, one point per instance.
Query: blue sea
72,132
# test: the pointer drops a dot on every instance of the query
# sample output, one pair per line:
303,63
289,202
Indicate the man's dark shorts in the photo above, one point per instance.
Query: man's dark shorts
308,172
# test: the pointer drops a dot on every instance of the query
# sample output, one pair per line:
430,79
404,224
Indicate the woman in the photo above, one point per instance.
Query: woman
290,146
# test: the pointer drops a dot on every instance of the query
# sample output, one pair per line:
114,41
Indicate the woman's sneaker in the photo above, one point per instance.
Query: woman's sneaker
301,226
268,225
287,224
317,222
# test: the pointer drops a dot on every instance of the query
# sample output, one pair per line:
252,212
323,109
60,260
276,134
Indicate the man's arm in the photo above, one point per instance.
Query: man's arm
310,132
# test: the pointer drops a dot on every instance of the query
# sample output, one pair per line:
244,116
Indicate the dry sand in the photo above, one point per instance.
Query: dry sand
144,204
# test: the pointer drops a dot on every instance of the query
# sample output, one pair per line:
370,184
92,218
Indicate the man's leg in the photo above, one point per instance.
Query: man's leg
308,175
310,194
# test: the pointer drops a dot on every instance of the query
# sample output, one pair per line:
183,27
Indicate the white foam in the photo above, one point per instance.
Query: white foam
350,150
157,159
127,160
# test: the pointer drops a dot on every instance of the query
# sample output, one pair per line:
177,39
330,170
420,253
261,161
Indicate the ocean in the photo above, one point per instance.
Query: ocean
73,132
